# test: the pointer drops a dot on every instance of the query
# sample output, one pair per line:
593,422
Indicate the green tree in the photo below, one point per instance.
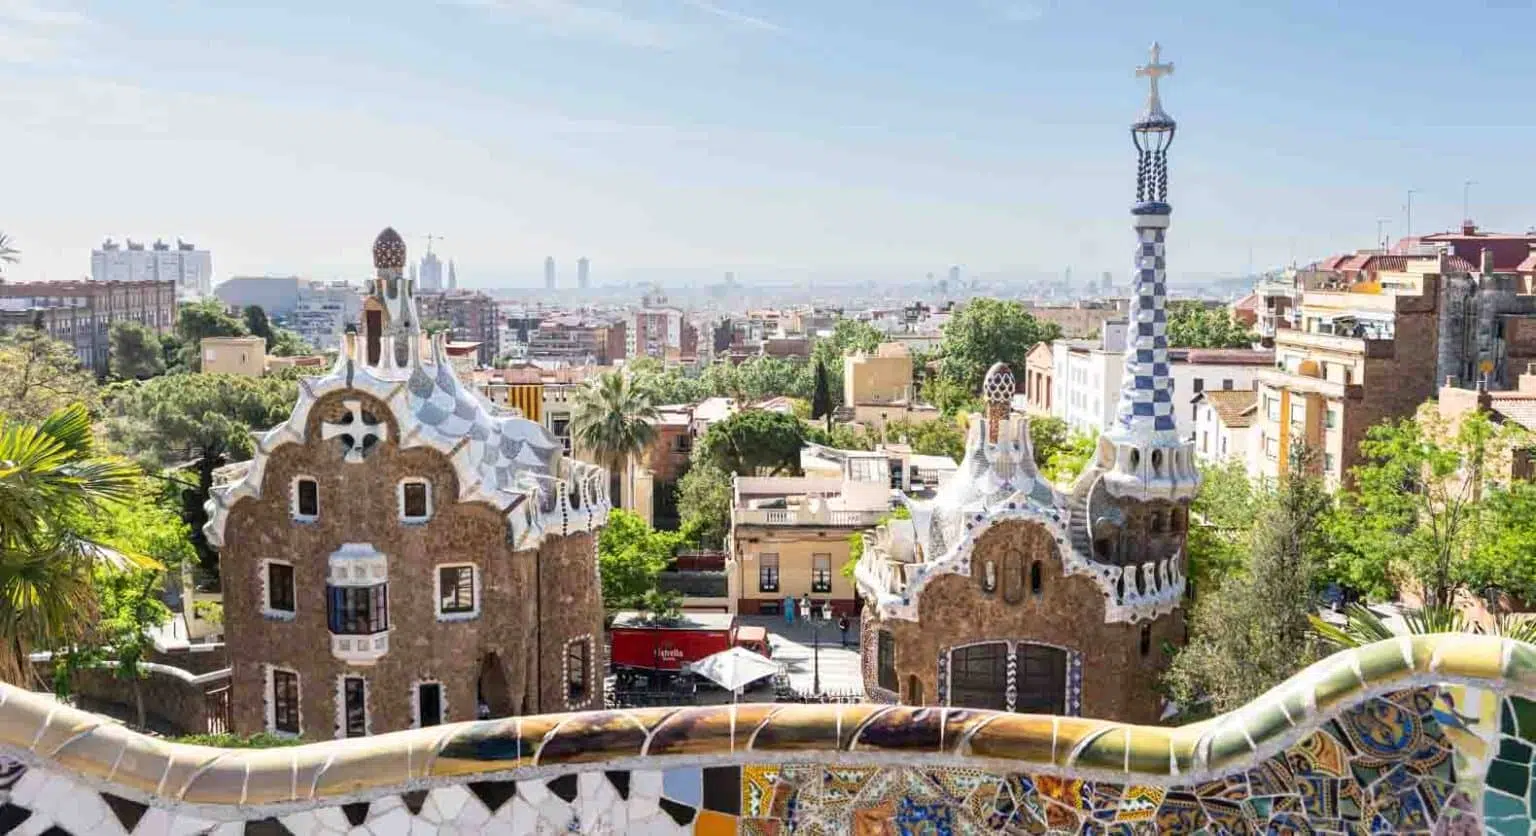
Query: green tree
286,343
135,351
204,418
129,607
952,398
51,477
987,331
256,324
1066,462
1048,436
821,396
196,320
1362,626
704,498
1193,325
630,555
613,419
841,437
769,377
1421,511
754,442
1220,521
40,375
1253,631
939,437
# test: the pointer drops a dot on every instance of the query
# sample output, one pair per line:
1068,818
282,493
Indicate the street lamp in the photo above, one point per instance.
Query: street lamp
815,617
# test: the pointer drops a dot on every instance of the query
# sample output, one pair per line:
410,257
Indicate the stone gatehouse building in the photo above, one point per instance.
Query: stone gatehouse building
401,553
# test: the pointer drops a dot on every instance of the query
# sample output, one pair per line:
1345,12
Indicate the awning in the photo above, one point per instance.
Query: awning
735,668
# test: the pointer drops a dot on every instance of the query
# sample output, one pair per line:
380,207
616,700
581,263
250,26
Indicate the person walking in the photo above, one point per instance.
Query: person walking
842,625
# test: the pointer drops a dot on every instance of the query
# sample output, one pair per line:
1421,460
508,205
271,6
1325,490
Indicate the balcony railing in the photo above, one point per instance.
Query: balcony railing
805,516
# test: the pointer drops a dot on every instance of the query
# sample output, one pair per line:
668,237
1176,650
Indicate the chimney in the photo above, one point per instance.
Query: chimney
1526,385
1468,228
1487,261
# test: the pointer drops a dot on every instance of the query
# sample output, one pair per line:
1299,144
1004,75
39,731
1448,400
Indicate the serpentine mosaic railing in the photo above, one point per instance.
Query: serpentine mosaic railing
1427,734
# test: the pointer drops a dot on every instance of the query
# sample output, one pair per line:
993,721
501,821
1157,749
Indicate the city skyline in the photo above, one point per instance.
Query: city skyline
747,137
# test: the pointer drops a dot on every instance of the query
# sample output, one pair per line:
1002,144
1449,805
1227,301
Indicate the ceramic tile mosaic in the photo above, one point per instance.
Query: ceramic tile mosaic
1432,735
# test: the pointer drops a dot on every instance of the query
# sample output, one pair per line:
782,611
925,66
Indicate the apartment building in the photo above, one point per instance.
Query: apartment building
577,339
470,316
1376,335
81,313
323,310
1087,377
1224,425
789,539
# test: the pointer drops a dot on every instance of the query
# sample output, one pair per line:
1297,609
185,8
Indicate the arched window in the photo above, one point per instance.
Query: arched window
989,576
1146,639
1034,578
914,691
1013,577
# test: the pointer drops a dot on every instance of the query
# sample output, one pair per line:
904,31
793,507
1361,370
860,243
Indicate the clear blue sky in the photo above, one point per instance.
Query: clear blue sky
830,134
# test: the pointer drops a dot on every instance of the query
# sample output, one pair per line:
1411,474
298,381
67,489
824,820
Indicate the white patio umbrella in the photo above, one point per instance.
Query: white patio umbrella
734,668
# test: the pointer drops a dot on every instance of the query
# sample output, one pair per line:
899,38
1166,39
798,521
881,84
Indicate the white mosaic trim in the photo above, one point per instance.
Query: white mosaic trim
341,704
269,699
565,672
264,580
437,589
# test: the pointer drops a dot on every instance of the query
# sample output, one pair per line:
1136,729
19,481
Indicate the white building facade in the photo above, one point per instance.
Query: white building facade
1086,378
323,311
190,268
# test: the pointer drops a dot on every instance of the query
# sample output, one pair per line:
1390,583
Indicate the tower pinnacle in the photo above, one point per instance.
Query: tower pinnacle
1142,453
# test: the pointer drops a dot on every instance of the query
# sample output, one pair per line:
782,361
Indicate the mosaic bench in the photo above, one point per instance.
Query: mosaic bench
1430,734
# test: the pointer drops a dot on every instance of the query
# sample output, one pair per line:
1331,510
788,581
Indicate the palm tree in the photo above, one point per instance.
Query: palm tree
8,253
613,419
1363,626
50,476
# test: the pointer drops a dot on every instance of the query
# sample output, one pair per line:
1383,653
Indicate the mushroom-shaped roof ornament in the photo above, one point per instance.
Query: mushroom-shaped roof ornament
389,250
998,386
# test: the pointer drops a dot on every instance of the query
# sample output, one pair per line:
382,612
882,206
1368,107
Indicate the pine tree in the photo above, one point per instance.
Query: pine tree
821,397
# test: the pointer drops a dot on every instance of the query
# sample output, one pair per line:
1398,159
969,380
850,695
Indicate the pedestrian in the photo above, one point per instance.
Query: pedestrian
842,624
789,611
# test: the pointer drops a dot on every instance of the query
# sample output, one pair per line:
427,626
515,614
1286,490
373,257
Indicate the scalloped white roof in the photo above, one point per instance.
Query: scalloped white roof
508,462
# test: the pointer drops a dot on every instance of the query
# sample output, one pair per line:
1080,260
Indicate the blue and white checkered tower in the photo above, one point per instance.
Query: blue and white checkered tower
1142,454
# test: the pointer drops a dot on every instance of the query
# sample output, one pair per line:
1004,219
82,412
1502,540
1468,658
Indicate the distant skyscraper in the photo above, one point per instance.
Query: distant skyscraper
583,277
431,274
954,276
549,273
453,276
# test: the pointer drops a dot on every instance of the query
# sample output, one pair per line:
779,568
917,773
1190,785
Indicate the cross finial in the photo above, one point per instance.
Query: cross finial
1152,71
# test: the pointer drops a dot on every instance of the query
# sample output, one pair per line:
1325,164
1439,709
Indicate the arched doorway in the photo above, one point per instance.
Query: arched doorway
494,694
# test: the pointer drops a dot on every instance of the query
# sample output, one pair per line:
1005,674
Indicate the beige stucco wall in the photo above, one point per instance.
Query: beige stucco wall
795,546
878,379
235,355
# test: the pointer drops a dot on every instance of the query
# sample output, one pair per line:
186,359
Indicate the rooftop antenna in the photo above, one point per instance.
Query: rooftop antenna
1466,200
430,238
1408,212
1380,240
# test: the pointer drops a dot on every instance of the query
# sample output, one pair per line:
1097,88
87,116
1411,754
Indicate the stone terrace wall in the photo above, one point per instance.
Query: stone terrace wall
1426,734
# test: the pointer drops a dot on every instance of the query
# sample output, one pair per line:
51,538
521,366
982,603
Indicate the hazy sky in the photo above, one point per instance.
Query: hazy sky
720,134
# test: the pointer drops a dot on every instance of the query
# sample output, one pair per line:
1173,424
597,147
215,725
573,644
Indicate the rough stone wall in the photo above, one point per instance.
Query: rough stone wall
1119,683
171,705
358,504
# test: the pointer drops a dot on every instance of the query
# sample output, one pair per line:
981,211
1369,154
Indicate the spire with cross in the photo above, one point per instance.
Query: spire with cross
1149,457
1153,70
